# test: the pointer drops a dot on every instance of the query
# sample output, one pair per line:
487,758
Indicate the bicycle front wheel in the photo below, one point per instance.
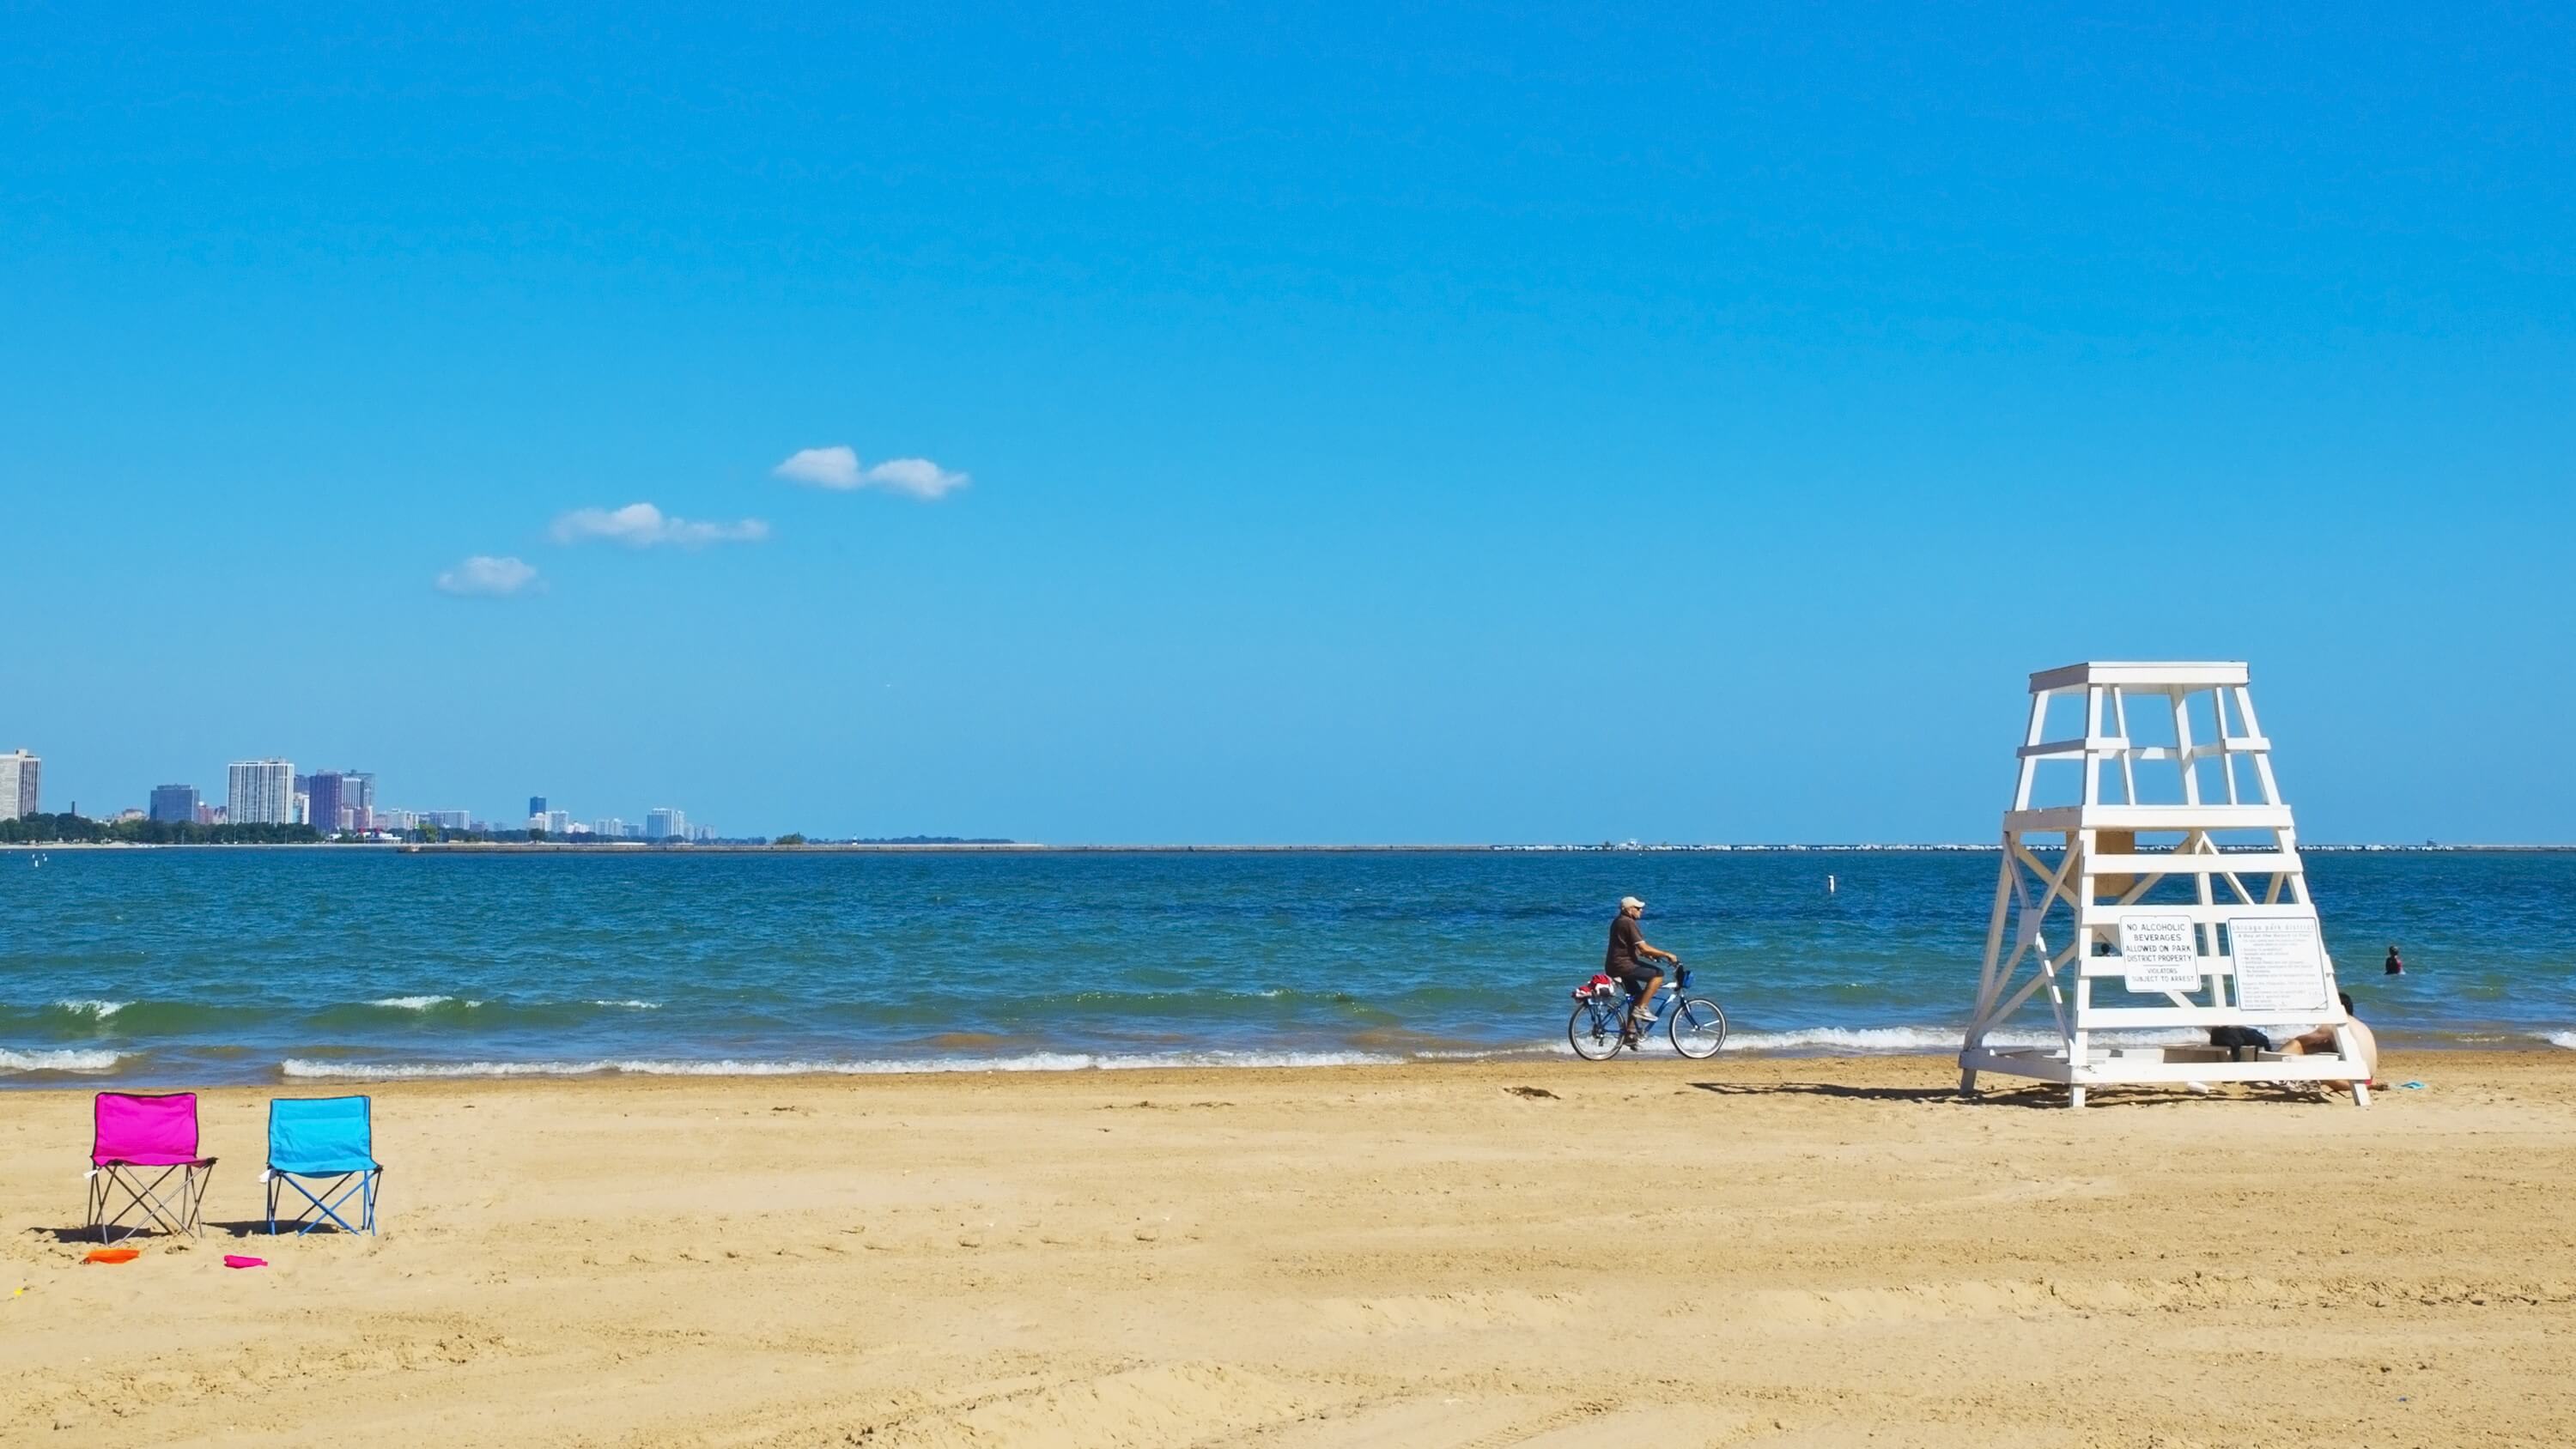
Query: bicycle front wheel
1698,1027
1593,1032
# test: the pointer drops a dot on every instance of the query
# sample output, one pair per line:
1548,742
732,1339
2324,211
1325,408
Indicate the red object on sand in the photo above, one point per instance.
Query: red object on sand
112,1255
236,1260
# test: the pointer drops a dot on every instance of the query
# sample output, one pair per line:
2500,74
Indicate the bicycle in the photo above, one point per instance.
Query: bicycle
1599,1026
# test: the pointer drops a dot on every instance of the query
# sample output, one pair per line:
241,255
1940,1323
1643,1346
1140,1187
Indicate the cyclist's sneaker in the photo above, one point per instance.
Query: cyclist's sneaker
1645,1019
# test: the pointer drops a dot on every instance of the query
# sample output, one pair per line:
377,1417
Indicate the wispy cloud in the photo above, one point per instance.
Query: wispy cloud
486,577
837,468
834,467
919,477
641,525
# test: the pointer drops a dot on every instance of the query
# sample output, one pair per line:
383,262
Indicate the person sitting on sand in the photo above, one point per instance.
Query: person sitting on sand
2322,1040
1623,965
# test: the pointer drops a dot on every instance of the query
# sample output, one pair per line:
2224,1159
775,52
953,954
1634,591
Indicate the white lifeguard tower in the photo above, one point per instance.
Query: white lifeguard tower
2167,878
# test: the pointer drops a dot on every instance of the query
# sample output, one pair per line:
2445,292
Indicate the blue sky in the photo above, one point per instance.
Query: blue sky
1403,424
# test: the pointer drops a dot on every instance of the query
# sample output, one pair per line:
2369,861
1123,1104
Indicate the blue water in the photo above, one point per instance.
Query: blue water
207,966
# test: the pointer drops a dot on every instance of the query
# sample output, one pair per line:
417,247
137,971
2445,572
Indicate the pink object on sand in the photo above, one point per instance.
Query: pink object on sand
236,1260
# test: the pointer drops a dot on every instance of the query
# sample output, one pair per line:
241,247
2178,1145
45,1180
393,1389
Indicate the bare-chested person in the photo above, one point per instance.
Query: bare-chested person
2322,1040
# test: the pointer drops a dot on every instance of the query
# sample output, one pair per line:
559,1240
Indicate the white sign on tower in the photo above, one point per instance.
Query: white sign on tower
2159,951
2280,968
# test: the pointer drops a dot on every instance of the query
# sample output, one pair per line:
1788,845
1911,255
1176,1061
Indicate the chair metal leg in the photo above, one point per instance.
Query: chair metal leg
329,1203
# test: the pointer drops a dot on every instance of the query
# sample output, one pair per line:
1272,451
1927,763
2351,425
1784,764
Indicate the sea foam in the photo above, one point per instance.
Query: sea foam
892,1066
1919,1039
2566,1039
63,1060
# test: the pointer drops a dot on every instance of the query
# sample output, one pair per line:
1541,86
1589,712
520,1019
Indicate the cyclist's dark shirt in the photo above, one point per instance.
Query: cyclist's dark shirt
1623,945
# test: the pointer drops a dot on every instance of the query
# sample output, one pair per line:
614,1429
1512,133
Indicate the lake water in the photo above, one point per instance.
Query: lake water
210,966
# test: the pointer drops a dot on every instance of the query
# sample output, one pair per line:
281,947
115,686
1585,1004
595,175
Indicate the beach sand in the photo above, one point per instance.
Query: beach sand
1433,1256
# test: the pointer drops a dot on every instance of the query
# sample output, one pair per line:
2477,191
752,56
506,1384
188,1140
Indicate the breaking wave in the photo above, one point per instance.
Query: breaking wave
66,1060
906,1066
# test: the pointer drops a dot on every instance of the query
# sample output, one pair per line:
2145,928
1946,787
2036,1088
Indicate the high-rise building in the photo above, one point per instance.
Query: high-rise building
536,804
449,819
341,799
322,805
558,822
20,773
664,823
260,792
174,804
610,828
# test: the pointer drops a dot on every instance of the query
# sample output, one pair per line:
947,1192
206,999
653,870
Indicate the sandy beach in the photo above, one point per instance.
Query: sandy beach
1834,1252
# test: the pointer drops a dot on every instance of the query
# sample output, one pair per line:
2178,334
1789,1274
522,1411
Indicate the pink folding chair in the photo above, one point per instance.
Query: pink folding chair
139,1144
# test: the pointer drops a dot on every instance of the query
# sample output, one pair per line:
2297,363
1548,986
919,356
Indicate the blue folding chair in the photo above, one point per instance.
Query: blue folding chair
330,1141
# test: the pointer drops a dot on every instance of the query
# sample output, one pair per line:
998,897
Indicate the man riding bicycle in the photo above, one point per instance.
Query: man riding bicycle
1624,964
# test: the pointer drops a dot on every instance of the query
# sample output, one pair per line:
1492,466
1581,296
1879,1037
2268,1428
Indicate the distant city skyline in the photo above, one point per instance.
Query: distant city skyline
269,790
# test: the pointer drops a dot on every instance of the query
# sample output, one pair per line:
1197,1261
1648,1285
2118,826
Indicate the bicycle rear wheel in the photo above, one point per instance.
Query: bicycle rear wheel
1593,1031
1698,1027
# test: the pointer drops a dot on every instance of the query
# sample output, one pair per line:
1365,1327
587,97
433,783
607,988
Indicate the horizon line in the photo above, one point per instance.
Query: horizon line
885,846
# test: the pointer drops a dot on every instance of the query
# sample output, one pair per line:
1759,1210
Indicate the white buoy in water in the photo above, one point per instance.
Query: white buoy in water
1829,885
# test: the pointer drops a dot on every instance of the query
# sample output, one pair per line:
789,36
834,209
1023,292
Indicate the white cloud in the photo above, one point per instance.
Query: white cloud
484,576
919,477
641,525
837,468
833,467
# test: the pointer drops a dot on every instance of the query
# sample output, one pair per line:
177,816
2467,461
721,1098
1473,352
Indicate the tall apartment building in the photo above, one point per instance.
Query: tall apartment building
536,805
341,799
174,804
322,804
664,823
260,792
449,819
20,773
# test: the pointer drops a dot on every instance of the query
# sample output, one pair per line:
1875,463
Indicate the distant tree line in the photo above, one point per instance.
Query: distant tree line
80,830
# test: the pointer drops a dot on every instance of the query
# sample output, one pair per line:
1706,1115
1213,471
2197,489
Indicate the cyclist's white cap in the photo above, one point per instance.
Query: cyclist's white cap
1626,901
